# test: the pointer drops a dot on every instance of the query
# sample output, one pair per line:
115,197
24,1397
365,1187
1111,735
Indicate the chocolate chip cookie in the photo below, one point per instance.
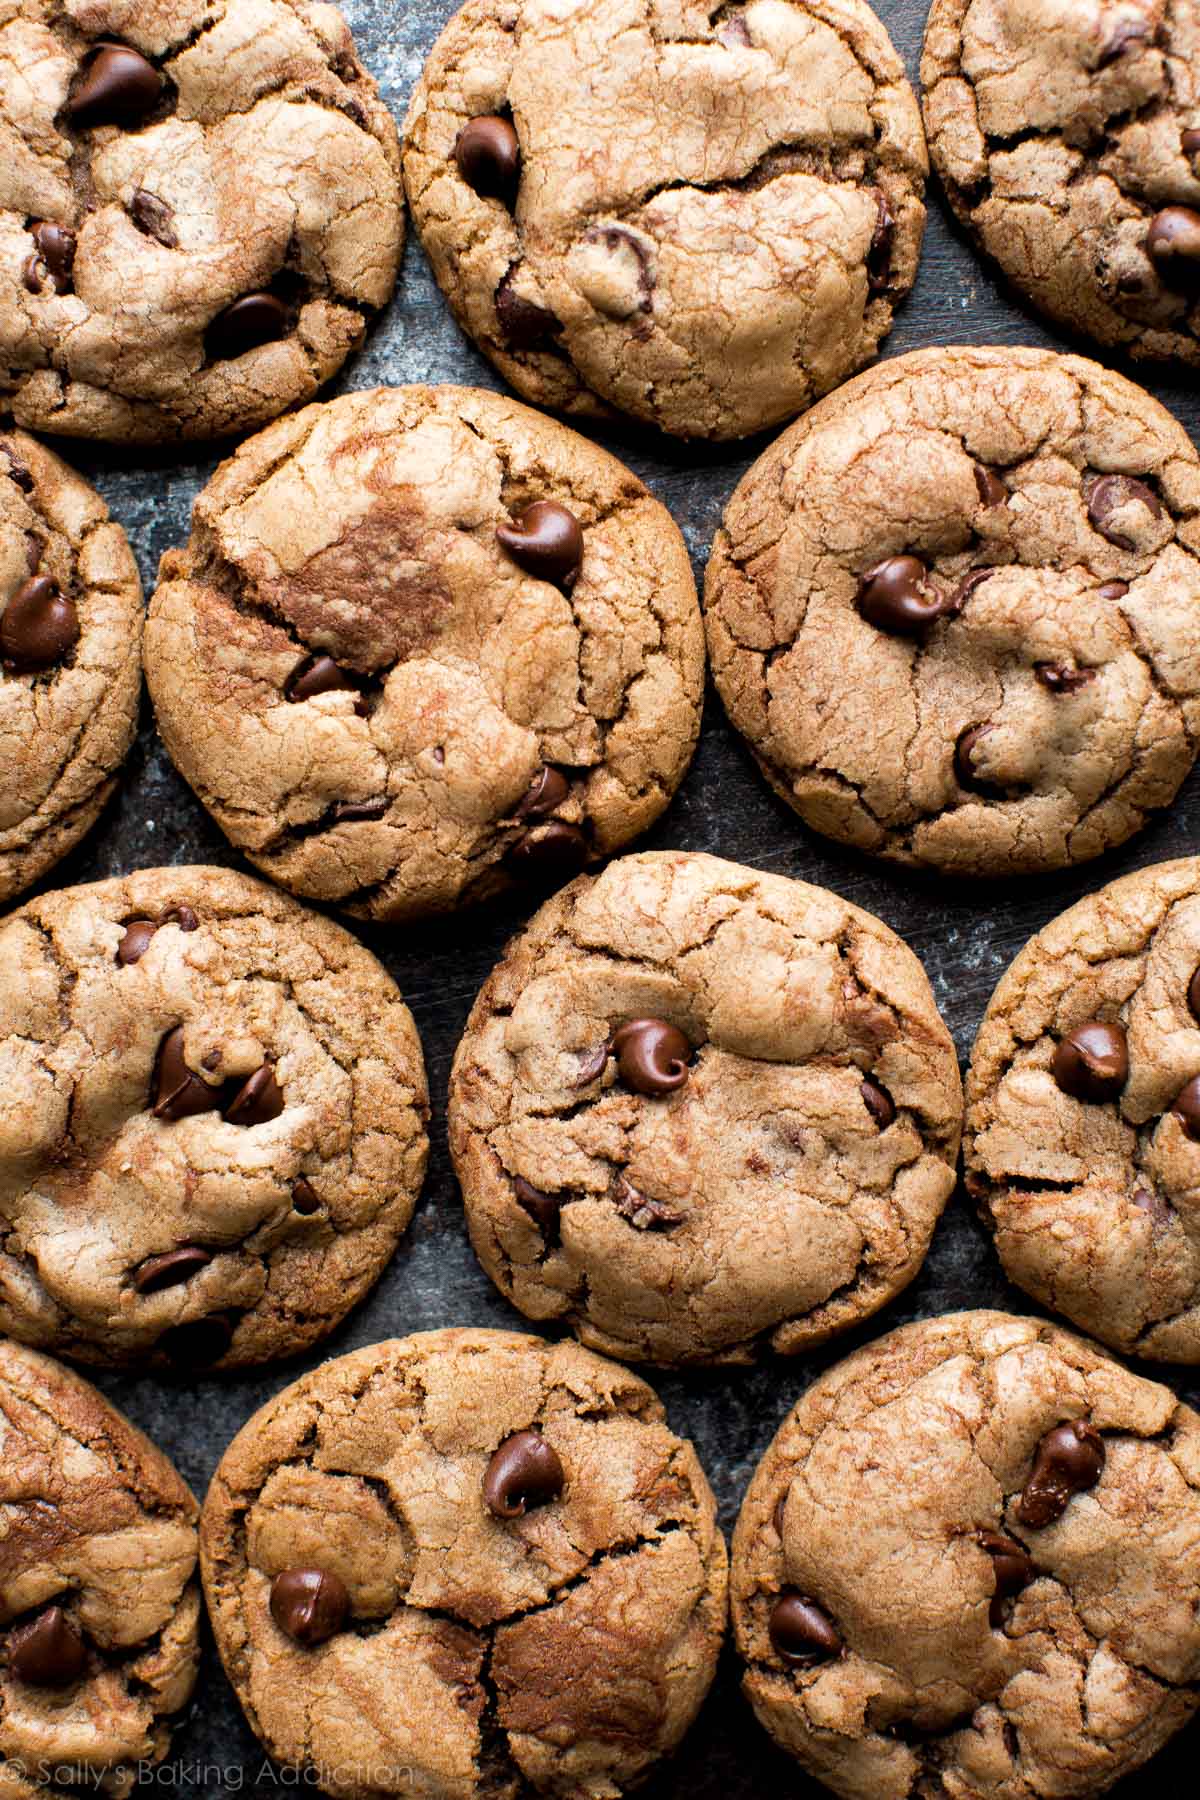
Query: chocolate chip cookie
99,1603
711,230
465,1563
70,658
956,611
699,1113
200,208
1067,139
212,1110
1083,1129
969,1564
424,645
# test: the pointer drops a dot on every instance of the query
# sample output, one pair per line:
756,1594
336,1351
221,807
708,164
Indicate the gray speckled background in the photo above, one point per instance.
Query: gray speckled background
966,936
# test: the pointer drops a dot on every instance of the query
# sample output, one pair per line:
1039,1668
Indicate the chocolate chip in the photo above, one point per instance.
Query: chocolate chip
801,1631
183,916
154,217
547,541
652,1055
55,256
168,1270
1190,142
199,1343
38,627
1110,494
544,1209
136,941
118,87
780,1509
1194,994
548,853
880,251
48,1651
641,1210
965,772
309,1605
1173,246
258,1100
353,812
178,1093
1061,680
893,597
253,320
524,324
878,1102
33,273
1187,1108
1113,590
963,590
488,154
992,491
1123,34
548,789
305,1198
1012,1569
1092,1062
319,675
593,1065
525,1471
1068,1461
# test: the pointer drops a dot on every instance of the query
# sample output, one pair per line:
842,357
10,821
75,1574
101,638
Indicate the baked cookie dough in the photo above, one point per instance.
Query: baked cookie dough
710,231
212,1109
1066,134
699,1113
99,1603
425,644
956,611
1083,1125
465,1563
70,658
200,208
969,1564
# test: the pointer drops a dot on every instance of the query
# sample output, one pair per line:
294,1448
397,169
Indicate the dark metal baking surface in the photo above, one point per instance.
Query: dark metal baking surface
966,936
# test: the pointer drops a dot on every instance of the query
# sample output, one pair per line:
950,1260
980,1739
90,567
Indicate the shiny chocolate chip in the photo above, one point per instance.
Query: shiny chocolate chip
879,254
170,1269
780,1511
652,1055
38,627
118,87
1187,1108
1012,1569
547,541
992,491
878,1102
1173,246
1194,994
548,854
1110,494
319,675
177,1092
1190,141
1068,1461
1061,680
1092,1062
1113,590
525,1471
488,154
253,320
548,789
965,772
154,217
524,325
258,1100
309,1605
55,256
135,941
801,1631
544,1209
48,1651
305,1198
893,597
199,1343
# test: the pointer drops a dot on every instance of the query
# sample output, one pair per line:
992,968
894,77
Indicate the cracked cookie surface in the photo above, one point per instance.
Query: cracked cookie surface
99,1601
212,1125
710,232
70,658
481,1627
1066,133
700,1112
424,644
1087,1166
956,611
200,208
992,1626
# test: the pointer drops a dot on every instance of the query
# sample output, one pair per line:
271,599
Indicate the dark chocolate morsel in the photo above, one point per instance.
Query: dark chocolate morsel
1092,1062
305,1198
154,217
652,1055
55,253
178,1093
1061,680
168,1270
1173,246
258,1100
548,853
992,491
1187,1108
1012,1569
38,627
1190,141
525,1471
878,1102
1068,1460
1194,994
319,675
1113,590
253,320
547,541
965,772
136,941
880,251
544,1209
352,812
118,87
199,1343
309,1605
548,789
488,154
47,1651
893,597
524,324
1109,493
779,1511
801,1631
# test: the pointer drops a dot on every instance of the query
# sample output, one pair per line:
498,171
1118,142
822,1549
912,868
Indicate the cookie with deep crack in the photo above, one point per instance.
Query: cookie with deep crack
708,233
212,1108
465,1563
70,658
425,644
200,209
700,1112
956,611
1014,1607
1067,137
1083,1125
99,1601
